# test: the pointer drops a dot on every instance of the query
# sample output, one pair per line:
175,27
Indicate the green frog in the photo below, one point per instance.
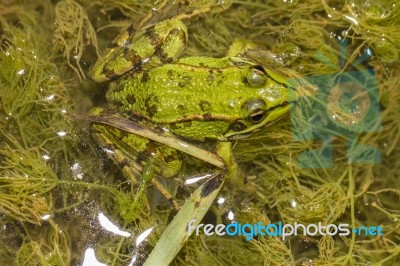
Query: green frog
195,98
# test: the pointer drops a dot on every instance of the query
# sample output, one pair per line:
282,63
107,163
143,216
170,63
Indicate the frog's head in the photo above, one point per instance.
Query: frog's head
272,99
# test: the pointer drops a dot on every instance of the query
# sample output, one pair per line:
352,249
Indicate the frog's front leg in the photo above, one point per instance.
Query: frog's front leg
233,173
152,46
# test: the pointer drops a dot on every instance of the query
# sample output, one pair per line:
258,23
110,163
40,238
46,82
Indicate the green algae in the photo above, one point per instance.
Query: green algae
73,34
25,181
46,48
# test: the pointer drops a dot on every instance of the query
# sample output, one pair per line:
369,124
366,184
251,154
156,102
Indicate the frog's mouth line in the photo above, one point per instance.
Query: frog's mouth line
243,135
207,116
285,107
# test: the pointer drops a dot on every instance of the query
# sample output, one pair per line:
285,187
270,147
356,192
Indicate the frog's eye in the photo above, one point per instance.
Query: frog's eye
257,111
257,117
256,77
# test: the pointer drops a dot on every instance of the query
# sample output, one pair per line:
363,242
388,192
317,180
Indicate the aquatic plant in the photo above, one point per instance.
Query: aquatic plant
73,34
54,180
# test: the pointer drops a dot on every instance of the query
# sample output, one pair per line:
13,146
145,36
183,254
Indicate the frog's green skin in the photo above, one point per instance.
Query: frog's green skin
203,98
155,45
196,98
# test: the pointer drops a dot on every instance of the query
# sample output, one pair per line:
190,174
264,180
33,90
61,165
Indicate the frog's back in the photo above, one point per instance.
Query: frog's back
193,88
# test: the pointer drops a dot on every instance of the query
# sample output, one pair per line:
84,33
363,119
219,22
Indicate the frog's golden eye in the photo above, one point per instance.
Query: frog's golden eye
256,77
257,111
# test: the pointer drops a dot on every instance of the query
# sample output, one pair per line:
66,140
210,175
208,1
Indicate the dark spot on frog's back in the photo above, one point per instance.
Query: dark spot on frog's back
185,80
155,39
215,76
130,99
151,105
133,57
181,107
204,106
109,73
164,58
145,77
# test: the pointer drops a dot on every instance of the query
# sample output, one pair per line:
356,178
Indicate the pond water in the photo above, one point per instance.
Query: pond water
268,113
